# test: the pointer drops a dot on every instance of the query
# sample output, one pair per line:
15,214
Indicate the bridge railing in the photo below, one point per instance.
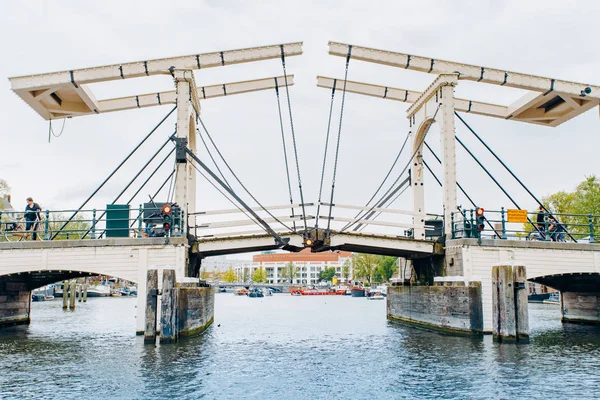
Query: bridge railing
91,224
557,227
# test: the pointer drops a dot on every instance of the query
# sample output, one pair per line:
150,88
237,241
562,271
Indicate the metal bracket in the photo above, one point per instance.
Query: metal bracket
180,150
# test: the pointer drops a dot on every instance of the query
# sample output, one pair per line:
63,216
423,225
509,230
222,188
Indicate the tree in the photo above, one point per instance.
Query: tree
290,272
365,266
229,275
584,200
75,229
205,275
4,195
259,275
387,267
346,269
245,274
327,274
4,187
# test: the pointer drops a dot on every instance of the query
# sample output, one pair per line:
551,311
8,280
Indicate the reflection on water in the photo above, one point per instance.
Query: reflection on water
291,347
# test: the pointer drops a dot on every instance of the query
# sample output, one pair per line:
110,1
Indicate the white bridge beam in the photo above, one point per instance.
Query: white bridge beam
552,101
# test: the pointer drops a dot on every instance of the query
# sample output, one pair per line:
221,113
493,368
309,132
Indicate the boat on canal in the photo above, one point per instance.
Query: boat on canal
376,296
256,293
553,299
242,292
318,292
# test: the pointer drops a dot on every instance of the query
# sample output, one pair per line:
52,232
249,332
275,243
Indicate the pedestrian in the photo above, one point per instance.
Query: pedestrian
32,216
541,219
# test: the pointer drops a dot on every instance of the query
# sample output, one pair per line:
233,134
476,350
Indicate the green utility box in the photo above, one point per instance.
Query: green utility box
117,220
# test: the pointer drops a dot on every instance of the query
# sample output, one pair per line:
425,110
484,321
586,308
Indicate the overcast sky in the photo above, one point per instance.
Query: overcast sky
548,38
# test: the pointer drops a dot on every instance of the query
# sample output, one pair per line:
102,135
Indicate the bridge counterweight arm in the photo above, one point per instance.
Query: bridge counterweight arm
203,92
466,71
410,96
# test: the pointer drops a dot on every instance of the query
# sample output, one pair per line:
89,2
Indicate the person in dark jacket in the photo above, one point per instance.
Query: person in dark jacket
32,216
541,219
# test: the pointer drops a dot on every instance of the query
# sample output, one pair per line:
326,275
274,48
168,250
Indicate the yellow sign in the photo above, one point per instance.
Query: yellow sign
517,215
334,281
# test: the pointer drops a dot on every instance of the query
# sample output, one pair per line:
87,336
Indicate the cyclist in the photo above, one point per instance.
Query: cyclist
32,215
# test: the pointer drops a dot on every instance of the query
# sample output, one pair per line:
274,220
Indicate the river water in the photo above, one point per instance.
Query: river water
288,347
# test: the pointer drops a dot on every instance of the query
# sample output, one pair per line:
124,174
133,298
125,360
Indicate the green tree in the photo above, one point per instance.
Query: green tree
584,200
4,187
245,274
386,268
4,195
229,275
290,271
346,269
204,274
259,275
365,266
327,274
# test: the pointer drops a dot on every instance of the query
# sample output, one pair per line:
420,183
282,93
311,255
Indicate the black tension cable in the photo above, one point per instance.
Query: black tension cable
382,203
131,182
401,173
285,158
495,181
208,150
162,186
510,171
386,176
278,240
224,195
236,177
337,147
386,206
325,154
457,184
287,93
114,172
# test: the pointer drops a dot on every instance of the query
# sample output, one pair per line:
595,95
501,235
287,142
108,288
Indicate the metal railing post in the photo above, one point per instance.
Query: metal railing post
502,213
591,220
472,230
452,222
93,230
139,234
47,225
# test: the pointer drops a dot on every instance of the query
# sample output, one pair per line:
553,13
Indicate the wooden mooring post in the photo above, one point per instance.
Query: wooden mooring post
510,317
168,308
73,294
65,295
151,306
85,287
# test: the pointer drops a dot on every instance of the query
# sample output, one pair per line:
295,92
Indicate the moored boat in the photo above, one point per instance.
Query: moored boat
553,299
256,293
317,292
242,292
358,291
376,296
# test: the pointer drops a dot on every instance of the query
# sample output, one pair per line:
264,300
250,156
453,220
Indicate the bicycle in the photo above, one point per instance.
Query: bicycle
14,230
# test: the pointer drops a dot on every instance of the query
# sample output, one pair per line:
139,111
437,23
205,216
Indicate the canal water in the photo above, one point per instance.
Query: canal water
288,347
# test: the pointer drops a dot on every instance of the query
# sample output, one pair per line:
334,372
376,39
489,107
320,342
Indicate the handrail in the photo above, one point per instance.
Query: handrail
581,227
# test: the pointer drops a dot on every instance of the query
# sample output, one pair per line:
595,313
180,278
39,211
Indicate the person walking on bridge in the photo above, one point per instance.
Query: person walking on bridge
32,216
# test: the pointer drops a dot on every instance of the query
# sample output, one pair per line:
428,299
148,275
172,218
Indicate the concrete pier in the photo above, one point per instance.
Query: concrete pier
196,304
15,302
580,307
450,307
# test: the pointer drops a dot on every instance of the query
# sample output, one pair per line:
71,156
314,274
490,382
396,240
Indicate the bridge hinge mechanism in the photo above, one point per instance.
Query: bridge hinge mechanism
180,150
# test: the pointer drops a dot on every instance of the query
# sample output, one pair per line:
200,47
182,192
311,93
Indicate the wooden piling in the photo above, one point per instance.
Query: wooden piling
85,287
510,318
168,308
79,293
521,304
151,306
65,295
503,298
73,293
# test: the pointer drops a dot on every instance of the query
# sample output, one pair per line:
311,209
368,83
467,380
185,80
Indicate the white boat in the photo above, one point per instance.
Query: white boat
553,299
98,291
376,296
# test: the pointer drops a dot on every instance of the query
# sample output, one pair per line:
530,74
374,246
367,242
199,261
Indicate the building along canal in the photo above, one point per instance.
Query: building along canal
304,347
